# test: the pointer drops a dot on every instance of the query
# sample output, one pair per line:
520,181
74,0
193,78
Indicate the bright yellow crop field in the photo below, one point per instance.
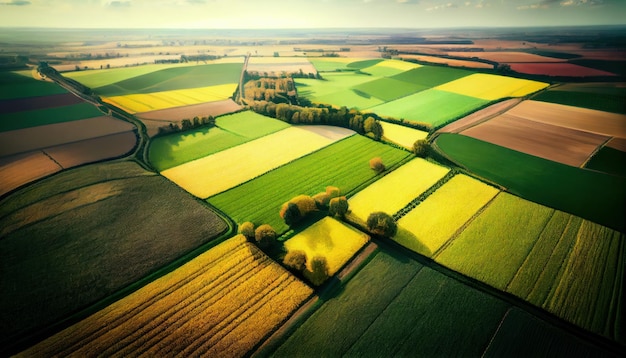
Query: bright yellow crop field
396,189
492,87
221,303
218,172
331,239
398,65
427,227
401,135
137,103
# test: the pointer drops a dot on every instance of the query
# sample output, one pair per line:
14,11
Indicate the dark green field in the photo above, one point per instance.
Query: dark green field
78,237
608,160
594,196
609,101
431,76
40,117
175,78
359,65
344,164
389,89
17,86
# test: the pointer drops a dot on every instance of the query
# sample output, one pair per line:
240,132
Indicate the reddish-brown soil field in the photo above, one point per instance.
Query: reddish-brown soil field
506,56
564,145
21,169
617,143
558,69
480,116
447,61
28,139
93,150
32,103
588,120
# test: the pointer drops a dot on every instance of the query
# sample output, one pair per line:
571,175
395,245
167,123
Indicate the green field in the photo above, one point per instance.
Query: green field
389,89
333,82
608,160
349,98
344,164
603,97
174,78
594,196
431,76
14,85
431,106
100,78
40,117
359,65
231,130
80,236
329,65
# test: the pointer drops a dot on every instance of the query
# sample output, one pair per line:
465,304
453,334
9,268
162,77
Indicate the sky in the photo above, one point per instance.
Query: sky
252,14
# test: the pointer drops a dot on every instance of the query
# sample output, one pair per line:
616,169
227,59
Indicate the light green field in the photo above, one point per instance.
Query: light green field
401,135
389,68
396,189
349,98
99,78
333,82
431,224
328,238
388,89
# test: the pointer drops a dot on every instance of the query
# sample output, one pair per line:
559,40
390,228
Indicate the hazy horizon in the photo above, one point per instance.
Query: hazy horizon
308,14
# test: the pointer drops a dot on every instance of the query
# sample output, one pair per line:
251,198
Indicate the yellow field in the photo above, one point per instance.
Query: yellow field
331,239
221,303
398,65
401,135
215,173
137,103
427,227
492,87
396,189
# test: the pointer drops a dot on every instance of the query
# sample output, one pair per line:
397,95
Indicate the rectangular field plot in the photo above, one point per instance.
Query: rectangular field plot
344,164
431,76
388,89
233,291
563,145
39,117
389,68
178,148
589,120
100,78
93,149
328,238
492,87
432,223
495,244
17,85
21,169
349,98
333,82
215,173
609,97
431,106
401,135
396,189
332,64
135,103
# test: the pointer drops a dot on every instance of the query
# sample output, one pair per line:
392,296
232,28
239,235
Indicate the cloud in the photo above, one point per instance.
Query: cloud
407,1
443,6
546,4
15,3
196,2
119,4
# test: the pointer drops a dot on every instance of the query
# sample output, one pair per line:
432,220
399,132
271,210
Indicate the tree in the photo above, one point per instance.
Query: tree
377,165
297,208
247,230
333,191
295,260
265,236
382,224
290,213
338,207
373,128
421,148
322,199
319,271
186,124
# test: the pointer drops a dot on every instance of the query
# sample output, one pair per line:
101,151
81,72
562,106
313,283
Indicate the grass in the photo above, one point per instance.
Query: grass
101,78
137,103
15,85
492,87
328,238
432,223
344,164
233,291
608,160
174,78
82,235
221,171
431,106
231,130
493,247
396,189
594,196
431,76
414,307
40,117
401,135
388,89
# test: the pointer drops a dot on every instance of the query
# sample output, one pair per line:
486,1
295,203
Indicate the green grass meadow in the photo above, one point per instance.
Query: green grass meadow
15,85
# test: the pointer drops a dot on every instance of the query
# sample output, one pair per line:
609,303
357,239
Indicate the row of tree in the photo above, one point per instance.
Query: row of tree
187,124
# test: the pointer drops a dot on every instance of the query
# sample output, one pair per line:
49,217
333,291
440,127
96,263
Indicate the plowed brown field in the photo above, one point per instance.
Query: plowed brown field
32,103
21,169
92,150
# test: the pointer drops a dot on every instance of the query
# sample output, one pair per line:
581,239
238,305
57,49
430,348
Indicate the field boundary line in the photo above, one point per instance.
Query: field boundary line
423,196
495,333
595,151
464,226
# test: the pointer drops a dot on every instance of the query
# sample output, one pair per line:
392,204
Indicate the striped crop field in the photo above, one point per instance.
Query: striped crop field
401,135
432,223
144,102
396,189
492,87
331,239
222,303
344,164
215,173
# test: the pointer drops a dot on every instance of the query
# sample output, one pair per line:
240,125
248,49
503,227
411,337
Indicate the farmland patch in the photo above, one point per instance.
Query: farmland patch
401,135
448,61
39,102
599,96
39,117
388,89
15,85
559,69
21,169
492,87
93,149
431,76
